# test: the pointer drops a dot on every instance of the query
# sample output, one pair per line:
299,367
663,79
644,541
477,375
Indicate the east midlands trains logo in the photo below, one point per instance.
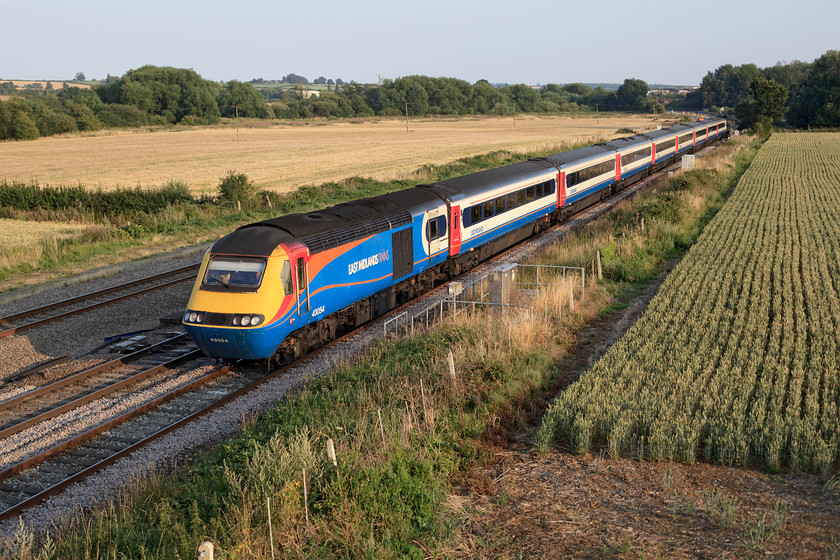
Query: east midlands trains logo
372,260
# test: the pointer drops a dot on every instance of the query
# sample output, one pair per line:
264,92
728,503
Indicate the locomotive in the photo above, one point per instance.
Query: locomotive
278,288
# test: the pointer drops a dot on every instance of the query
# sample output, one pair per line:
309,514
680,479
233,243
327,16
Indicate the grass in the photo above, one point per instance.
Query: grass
388,496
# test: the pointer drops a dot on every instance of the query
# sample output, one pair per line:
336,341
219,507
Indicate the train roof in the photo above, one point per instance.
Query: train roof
580,154
331,227
680,128
343,223
251,240
657,134
477,183
627,142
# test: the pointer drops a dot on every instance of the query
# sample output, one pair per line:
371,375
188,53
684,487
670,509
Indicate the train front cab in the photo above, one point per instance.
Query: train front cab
243,305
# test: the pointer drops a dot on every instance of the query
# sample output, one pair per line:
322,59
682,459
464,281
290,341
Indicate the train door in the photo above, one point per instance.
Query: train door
300,258
437,234
561,189
454,230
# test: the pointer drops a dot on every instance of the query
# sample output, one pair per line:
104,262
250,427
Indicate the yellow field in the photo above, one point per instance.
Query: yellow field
18,234
284,156
56,84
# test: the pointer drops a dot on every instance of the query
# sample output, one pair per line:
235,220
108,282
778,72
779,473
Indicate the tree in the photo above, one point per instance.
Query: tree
766,105
171,93
243,98
578,89
294,79
632,92
728,85
80,77
817,102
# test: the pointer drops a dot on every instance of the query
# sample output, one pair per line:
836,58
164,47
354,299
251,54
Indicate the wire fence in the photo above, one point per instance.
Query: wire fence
475,296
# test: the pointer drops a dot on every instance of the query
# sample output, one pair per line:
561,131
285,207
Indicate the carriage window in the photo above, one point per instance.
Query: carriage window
500,205
539,190
475,215
488,209
530,193
520,197
436,228
286,278
511,201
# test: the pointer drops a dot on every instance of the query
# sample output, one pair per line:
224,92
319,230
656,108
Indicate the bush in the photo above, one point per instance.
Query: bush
236,187
23,127
117,115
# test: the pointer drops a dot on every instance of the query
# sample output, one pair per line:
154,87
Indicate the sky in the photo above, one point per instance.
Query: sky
515,41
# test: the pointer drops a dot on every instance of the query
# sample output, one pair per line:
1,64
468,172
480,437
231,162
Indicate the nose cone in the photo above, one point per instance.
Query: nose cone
233,344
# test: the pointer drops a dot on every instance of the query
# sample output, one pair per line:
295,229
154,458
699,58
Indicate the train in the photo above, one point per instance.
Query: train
278,288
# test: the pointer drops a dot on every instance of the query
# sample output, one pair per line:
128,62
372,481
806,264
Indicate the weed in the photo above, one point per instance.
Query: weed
758,532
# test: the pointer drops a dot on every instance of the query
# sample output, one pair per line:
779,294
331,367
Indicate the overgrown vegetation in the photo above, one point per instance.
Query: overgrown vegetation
406,432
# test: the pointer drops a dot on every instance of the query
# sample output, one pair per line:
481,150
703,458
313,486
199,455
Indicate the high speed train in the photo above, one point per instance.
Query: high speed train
280,287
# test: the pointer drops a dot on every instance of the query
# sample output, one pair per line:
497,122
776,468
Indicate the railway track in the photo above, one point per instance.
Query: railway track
42,315
29,481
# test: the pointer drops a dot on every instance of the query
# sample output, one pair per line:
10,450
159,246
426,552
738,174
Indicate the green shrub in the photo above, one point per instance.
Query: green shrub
236,187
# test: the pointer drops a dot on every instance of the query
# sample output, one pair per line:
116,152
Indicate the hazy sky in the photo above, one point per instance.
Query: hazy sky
516,41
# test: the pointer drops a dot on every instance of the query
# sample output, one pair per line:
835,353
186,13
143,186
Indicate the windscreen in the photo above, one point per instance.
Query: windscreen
234,273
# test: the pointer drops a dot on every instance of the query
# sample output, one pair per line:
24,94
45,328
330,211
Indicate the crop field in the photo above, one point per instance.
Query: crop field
20,234
285,155
736,359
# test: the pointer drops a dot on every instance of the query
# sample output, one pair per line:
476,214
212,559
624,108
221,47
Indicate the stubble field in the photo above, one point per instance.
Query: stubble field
282,156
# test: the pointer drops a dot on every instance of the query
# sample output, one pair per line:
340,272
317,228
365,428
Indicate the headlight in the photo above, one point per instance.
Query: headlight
256,320
187,317
193,315
246,320
200,318
236,320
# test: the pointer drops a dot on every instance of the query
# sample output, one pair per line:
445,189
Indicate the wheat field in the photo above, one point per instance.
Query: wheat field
736,358
283,156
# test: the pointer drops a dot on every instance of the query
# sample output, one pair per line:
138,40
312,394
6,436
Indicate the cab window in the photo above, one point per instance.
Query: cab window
225,273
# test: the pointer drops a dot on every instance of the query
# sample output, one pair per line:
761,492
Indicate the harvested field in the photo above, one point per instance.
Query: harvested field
16,234
285,155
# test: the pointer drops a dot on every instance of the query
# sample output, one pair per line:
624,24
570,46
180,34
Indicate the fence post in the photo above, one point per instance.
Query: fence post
598,259
571,295
205,551
450,359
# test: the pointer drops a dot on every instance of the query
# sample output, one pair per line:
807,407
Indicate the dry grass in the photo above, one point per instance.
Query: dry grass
285,155
16,234
24,241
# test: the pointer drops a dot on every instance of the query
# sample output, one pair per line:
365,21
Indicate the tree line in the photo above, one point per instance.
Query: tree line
803,94
158,96
798,94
